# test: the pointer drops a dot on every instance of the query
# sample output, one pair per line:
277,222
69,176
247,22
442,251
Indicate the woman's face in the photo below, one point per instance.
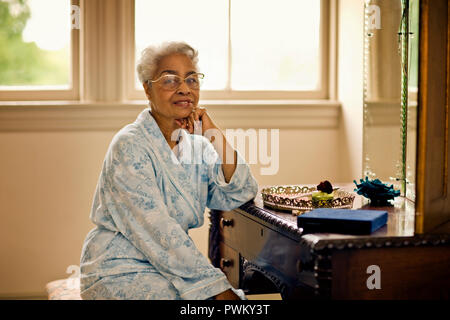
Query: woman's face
175,104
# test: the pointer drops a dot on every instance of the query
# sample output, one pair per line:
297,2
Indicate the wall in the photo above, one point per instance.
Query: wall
46,186
350,86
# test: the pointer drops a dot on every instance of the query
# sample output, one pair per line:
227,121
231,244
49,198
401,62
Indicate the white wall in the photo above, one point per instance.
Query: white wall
46,186
350,86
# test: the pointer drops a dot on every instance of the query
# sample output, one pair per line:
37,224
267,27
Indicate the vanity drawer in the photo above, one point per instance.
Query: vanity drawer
235,229
229,264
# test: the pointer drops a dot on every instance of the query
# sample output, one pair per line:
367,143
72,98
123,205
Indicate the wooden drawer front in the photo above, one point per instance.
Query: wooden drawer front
421,272
237,230
229,264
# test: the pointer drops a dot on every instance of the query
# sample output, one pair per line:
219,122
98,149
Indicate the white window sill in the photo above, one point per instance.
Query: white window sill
74,115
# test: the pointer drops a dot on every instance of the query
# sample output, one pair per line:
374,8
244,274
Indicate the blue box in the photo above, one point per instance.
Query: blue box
346,221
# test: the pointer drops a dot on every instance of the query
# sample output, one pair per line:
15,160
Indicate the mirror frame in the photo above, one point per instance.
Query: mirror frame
432,179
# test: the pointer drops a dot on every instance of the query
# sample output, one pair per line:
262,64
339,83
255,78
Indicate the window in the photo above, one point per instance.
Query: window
252,49
38,55
249,49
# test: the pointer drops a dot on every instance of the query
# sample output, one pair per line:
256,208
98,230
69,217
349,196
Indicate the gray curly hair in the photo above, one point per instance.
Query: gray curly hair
152,55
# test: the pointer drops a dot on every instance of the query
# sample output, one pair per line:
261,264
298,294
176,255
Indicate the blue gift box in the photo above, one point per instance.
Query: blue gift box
342,221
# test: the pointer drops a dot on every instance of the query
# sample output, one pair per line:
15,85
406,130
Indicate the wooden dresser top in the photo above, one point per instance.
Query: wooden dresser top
399,230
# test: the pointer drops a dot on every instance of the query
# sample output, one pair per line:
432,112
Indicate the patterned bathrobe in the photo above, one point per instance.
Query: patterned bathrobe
145,202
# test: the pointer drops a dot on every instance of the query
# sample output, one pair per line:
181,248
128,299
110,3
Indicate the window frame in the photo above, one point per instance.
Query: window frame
325,83
40,93
105,49
103,61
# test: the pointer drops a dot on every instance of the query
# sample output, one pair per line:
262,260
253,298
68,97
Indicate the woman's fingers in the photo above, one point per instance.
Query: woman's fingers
199,121
185,124
179,122
194,114
200,112
190,120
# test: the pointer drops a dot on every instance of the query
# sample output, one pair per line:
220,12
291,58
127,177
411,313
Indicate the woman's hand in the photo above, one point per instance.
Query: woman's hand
227,295
225,151
191,123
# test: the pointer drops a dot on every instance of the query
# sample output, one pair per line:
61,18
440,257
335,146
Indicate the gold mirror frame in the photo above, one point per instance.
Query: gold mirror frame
432,198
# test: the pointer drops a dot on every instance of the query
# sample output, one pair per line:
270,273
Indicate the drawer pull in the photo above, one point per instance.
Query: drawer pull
225,263
226,222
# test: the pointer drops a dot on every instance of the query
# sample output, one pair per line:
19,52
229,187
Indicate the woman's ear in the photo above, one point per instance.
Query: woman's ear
147,90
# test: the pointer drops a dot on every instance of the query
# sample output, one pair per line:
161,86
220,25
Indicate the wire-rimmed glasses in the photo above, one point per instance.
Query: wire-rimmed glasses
171,82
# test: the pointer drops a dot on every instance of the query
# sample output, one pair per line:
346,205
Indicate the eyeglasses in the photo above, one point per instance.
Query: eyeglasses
171,82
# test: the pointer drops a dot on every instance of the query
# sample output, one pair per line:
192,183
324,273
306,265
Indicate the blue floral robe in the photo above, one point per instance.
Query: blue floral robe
145,202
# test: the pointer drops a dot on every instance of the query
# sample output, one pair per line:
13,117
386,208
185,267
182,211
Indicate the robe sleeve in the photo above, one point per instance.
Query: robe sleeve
137,208
241,188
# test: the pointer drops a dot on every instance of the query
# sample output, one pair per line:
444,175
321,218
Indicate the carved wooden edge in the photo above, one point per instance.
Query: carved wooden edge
248,266
279,223
348,243
317,266
381,242
322,289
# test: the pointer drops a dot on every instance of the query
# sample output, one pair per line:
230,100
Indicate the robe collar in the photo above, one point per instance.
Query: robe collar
167,158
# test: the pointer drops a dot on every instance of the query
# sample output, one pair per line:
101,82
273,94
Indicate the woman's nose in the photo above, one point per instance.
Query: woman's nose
183,88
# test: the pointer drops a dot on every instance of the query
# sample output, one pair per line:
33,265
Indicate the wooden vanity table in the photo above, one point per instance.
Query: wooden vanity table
262,251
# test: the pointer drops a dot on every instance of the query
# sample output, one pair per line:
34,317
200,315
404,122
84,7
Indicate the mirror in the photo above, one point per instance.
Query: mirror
391,64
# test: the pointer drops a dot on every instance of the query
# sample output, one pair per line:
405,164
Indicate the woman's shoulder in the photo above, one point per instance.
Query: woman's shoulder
128,138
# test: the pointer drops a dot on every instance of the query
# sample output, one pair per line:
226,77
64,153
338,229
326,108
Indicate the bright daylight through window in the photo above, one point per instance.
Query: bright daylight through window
35,44
279,50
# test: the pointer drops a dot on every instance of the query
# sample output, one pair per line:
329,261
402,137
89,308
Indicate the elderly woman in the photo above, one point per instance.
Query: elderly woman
159,174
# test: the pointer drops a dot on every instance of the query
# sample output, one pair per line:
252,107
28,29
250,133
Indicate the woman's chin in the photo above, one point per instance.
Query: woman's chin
184,113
